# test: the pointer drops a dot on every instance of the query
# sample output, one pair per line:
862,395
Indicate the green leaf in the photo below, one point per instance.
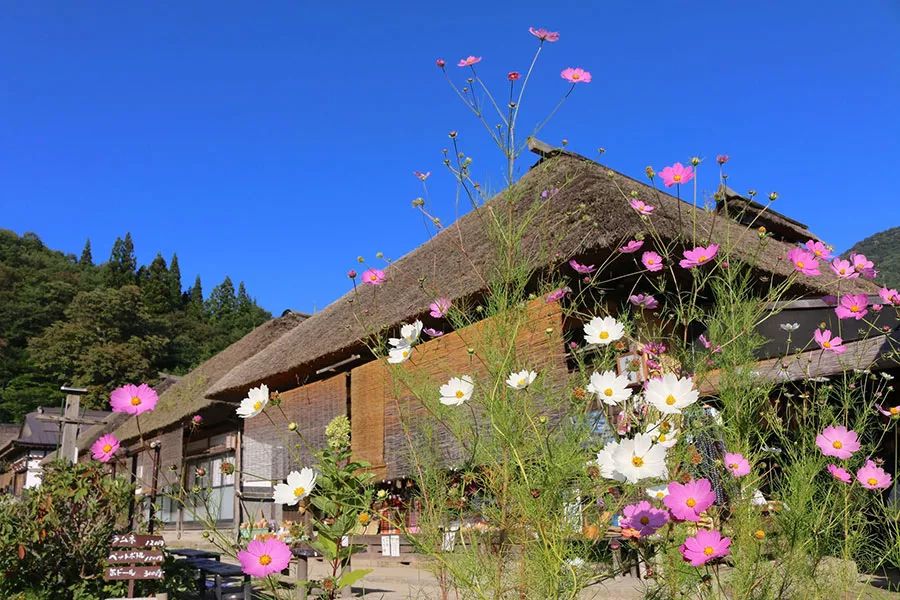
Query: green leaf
351,577
325,547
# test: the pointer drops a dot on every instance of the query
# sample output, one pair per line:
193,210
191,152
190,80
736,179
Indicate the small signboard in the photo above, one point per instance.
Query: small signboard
131,540
119,557
134,557
132,572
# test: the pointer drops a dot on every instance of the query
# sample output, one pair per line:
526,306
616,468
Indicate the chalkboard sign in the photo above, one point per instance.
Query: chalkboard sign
120,557
134,557
130,540
131,572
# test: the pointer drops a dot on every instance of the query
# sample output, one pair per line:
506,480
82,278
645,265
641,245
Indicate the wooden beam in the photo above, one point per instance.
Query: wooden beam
68,451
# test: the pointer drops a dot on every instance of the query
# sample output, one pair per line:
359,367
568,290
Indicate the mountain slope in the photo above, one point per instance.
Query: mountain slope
883,249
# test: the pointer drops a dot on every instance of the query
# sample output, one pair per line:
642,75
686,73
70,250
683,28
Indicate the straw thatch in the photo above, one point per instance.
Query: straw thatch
589,212
188,395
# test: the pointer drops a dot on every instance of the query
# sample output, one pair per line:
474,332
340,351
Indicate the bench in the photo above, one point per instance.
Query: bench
224,577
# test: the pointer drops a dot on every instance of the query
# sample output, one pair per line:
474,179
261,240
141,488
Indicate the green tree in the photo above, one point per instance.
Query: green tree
87,258
122,263
175,296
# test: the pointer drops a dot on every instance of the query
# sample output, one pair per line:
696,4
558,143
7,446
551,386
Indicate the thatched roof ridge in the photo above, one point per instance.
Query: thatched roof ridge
588,213
189,395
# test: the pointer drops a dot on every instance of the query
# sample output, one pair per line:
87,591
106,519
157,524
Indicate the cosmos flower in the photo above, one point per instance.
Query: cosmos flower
606,464
840,474
708,344
603,331
521,380
657,492
664,433
409,334
457,391
687,501
609,387
631,246
254,403
892,411
736,464
643,517
843,269
676,174
104,449
580,268
431,332
641,207
544,35
373,277
852,306
265,557
422,176
722,159
299,485
513,75
890,296
644,301
439,308
790,327
827,342
670,394
468,61
838,441
698,256
558,294
804,262
576,75
863,265
133,399
873,477
652,261
399,354
820,250
704,546
639,458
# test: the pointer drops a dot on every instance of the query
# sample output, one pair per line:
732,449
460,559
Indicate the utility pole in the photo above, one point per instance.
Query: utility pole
70,421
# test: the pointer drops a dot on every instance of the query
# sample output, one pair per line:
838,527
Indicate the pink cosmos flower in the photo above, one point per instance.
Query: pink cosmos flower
422,176
440,308
736,464
843,269
441,63
838,441
804,262
133,399
892,412
104,449
641,207
890,296
644,301
704,546
698,256
829,343
513,75
580,268
830,300
820,250
576,75
873,477
433,332
264,557
652,261
632,246
468,61
708,344
722,159
643,518
676,174
863,265
686,501
351,274
852,306
558,294
373,277
544,35
196,419
842,475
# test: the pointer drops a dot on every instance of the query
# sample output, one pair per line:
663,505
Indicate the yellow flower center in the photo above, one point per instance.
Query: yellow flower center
363,518
872,481
460,393
299,491
257,405
405,353
691,502
843,271
854,308
676,177
576,76
670,400
522,381
608,392
800,264
644,520
709,551
651,261
665,426
135,401
702,258
107,447
265,559
373,277
759,534
660,495
604,335
661,438
837,444
826,344
637,461
733,466
894,410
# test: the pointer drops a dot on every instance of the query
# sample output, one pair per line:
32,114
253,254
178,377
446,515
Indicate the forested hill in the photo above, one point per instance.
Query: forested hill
66,320
883,249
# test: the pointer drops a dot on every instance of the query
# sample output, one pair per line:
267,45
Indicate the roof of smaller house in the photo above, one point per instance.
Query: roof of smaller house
8,432
37,432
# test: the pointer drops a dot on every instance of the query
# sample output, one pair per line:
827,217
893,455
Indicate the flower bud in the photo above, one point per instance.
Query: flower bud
292,426
773,196
452,134
441,63
650,172
418,202
513,75
379,255
360,259
695,160
351,274
722,159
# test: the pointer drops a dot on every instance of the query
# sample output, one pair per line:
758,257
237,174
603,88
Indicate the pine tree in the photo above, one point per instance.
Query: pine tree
222,303
174,282
122,263
197,292
87,258
154,281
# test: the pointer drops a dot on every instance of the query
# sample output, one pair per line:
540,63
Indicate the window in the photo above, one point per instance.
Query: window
210,492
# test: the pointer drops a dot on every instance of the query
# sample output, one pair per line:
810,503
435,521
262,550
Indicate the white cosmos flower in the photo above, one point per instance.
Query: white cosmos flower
603,331
298,486
609,387
658,492
639,458
254,403
409,334
399,354
457,390
521,380
606,464
663,433
670,394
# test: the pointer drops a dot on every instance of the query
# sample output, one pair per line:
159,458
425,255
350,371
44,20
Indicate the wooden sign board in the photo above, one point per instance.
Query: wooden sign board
118,557
131,572
131,540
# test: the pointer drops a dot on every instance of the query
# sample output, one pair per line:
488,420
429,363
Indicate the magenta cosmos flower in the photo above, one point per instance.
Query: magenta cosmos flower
652,261
263,558
631,247
863,265
838,441
804,262
468,61
852,306
105,448
433,332
641,207
676,174
736,464
704,546
843,269
580,268
373,277
890,296
686,501
558,294
422,176
644,301
873,477
643,518
544,35
133,399
892,411
722,159
576,75
820,250
826,342
698,256
439,308
842,475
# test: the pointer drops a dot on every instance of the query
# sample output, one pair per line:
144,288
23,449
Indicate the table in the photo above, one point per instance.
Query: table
192,553
222,574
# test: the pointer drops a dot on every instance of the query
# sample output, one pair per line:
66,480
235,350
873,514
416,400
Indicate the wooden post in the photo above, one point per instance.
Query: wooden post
302,574
155,446
68,450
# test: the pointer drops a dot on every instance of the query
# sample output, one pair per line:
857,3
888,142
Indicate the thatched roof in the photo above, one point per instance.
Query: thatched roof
588,213
188,395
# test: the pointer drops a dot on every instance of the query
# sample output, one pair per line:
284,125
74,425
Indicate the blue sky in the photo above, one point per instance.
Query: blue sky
274,142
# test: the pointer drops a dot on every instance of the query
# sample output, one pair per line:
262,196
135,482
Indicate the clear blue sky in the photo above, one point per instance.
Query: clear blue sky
274,141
